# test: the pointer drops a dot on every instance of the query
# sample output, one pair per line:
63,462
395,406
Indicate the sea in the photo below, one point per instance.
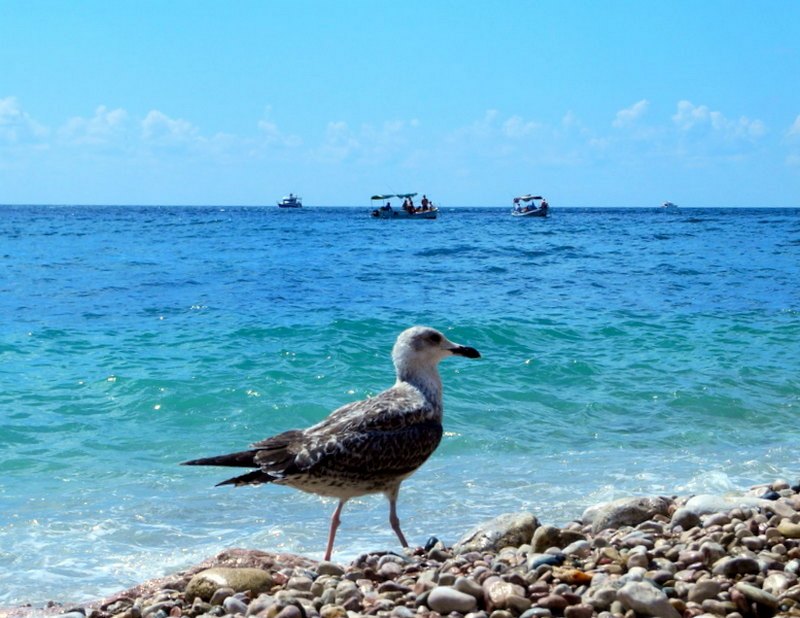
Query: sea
625,352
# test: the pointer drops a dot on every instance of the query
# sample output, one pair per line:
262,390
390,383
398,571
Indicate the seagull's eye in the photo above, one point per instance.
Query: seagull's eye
435,338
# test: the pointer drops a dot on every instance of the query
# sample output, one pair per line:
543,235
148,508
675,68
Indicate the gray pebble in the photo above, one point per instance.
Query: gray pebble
233,605
444,599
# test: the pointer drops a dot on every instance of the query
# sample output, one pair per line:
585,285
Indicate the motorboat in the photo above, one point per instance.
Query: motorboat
530,206
291,201
426,209
669,206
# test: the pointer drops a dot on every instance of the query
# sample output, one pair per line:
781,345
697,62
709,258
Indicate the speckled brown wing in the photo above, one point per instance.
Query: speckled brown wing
381,438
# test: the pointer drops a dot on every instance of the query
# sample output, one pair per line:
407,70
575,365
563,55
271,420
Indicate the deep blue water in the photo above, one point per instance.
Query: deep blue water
625,351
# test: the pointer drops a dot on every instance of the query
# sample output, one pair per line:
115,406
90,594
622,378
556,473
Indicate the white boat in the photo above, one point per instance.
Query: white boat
426,209
530,206
669,206
291,201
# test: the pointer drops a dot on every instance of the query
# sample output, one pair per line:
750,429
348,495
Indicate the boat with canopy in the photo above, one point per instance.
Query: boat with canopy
426,209
530,206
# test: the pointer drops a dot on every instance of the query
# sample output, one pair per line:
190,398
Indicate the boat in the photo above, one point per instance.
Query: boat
669,206
291,201
530,206
426,210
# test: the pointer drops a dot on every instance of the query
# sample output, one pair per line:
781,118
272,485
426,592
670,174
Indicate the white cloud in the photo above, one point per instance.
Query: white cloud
369,143
339,142
272,135
102,128
158,128
695,117
516,127
794,130
16,125
628,116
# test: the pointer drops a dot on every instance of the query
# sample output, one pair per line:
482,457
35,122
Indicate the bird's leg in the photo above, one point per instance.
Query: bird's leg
335,520
394,520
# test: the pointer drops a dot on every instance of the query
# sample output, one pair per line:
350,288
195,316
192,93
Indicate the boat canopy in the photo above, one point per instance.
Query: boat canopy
527,198
390,195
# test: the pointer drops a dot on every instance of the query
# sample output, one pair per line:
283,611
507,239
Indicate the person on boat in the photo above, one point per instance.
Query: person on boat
544,205
425,203
388,206
408,205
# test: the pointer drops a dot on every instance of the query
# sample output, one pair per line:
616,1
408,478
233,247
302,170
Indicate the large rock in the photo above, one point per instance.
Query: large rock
205,583
646,600
706,504
508,530
625,512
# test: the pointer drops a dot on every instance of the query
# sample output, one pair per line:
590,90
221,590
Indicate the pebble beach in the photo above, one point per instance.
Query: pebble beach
666,557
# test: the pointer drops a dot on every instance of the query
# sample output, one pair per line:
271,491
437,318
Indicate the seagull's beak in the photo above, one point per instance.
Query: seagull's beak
463,350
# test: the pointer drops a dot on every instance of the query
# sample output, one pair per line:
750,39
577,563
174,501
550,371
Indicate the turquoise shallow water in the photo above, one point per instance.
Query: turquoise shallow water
624,351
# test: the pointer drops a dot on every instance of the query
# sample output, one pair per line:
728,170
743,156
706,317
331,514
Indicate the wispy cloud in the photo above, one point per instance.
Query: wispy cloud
699,117
105,127
794,130
16,125
628,116
160,129
369,144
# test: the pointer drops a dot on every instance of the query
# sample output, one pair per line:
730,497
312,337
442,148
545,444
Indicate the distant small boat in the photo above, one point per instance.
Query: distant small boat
291,201
426,209
530,206
669,206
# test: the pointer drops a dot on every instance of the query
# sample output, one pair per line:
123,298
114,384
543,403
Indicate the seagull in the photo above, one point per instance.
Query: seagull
365,447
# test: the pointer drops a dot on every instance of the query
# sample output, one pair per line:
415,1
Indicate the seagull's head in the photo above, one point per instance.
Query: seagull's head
422,346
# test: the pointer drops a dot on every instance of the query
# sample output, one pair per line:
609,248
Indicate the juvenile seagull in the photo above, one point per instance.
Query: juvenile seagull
364,447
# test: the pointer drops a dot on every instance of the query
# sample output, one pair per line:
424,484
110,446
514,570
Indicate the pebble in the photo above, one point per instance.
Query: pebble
757,595
579,611
469,586
706,589
553,602
789,529
731,567
444,599
233,605
646,599
330,568
290,611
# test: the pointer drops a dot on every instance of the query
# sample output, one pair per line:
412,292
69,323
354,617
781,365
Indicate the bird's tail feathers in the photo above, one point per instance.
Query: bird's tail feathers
242,459
251,478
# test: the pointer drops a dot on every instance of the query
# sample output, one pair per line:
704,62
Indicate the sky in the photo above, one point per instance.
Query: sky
193,102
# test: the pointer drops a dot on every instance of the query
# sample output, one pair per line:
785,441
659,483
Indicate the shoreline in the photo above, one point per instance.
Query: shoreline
671,557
